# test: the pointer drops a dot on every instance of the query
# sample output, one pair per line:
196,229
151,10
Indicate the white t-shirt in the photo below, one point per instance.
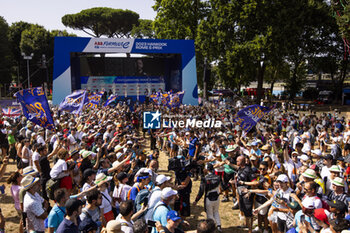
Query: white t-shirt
40,140
106,204
290,166
285,195
58,168
121,192
72,142
325,172
35,157
127,227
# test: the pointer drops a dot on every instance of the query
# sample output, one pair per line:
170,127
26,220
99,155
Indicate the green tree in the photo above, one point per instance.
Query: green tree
143,30
105,21
5,52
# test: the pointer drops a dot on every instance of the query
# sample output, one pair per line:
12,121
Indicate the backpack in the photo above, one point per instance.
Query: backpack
142,199
51,186
324,203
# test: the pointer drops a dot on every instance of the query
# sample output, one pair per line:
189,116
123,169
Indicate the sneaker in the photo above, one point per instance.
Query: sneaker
256,229
225,199
219,229
235,206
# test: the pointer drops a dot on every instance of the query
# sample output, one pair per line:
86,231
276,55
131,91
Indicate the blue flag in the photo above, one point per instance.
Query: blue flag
111,99
35,107
93,99
74,102
248,117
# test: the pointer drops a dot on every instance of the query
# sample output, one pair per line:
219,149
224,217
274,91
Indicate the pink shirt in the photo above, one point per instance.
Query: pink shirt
15,194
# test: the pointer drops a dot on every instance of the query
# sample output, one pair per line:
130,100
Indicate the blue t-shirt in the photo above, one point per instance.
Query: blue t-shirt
192,146
134,191
56,216
159,214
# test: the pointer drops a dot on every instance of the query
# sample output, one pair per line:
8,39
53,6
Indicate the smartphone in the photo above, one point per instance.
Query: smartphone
151,223
302,218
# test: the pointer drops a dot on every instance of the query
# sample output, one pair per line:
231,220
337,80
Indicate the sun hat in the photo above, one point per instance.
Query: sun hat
114,226
338,182
231,148
265,147
86,154
29,171
102,178
28,181
335,168
309,173
168,192
303,157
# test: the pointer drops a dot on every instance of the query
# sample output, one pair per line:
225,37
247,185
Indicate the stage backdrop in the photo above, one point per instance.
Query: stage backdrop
72,70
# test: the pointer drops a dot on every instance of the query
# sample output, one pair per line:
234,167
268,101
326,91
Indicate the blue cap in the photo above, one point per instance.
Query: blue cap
173,215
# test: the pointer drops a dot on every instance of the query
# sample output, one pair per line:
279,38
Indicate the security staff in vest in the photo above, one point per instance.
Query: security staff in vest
210,188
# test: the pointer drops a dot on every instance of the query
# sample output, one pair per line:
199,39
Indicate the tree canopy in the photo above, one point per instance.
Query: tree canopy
100,21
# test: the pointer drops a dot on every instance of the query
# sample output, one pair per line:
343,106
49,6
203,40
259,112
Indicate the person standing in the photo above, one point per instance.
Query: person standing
34,205
58,211
92,209
71,222
210,188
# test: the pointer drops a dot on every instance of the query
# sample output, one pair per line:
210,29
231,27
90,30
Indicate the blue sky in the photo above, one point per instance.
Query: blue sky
48,13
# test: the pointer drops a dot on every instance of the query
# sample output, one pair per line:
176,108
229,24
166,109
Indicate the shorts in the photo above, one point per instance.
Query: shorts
66,182
263,211
109,216
227,177
183,205
273,217
281,225
246,205
347,147
221,174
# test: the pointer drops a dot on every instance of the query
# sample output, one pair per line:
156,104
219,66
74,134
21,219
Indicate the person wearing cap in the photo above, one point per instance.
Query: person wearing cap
210,187
162,182
183,184
229,164
338,191
34,205
142,181
334,172
337,208
92,209
162,208
255,150
88,179
303,218
73,139
40,138
317,155
102,181
71,222
173,222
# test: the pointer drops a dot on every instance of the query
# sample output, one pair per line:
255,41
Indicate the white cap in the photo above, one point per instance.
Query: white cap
308,203
144,170
129,142
168,192
119,154
283,178
303,157
162,178
317,152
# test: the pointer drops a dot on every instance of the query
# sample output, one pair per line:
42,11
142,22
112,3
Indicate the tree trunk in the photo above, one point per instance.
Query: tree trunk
271,91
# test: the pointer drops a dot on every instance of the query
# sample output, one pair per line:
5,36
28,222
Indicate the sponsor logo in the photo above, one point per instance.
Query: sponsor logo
111,44
153,120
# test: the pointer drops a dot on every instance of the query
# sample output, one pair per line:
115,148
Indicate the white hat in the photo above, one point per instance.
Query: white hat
115,163
308,203
303,157
168,192
285,139
231,148
162,178
109,127
338,182
335,168
129,142
283,178
29,171
317,152
102,178
28,181
310,173
119,154
144,170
